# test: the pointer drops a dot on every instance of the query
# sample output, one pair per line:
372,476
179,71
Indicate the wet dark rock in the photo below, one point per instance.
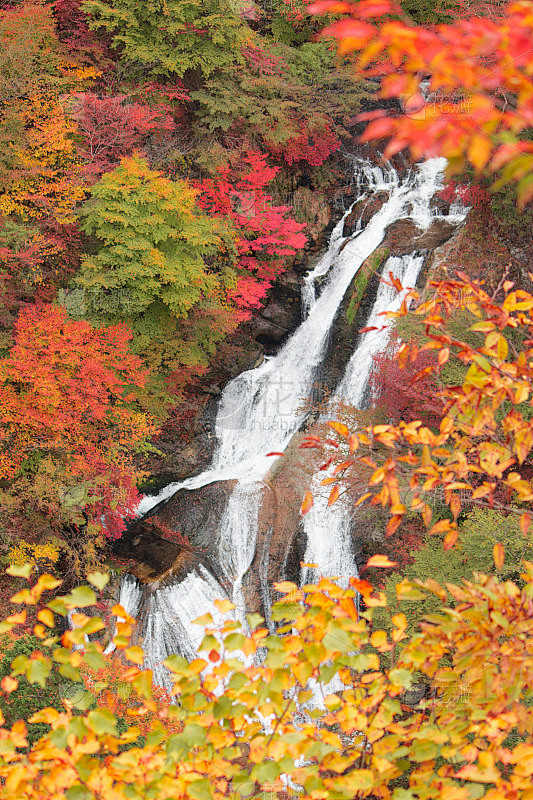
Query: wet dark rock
344,332
282,315
196,514
364,210
144,542
439,204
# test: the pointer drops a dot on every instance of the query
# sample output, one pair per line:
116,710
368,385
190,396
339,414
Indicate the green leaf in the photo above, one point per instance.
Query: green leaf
81,597
200,790
176,664
78,792
234,641
38,671
266,772
59,606
254,620
70,672
143,683
424,750
94,659
401,677
337,639
102,721
20,570
178,744
98,579
59,737
78,697
403,794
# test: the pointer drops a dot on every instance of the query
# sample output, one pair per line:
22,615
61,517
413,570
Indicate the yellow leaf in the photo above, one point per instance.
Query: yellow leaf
353,442
224,605
498,555
393,524
440,527
46,616
450,539
135,654
479,152
340,428
525,522
381,561
334,494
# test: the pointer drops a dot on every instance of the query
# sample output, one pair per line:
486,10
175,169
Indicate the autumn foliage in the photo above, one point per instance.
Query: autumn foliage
444,713
476,107
70,424
481,450
267,235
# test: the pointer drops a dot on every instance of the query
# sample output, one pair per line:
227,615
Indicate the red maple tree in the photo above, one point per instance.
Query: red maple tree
70,426
267,234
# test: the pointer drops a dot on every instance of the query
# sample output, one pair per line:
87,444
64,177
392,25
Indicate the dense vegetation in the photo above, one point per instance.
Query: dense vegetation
143,148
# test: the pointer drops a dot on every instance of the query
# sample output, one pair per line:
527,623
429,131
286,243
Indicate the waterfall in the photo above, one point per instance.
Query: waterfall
261,410
237,539
168,623
325,263
328,528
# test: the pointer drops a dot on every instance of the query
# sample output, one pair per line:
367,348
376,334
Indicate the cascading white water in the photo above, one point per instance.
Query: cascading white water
169,620
355,380
261,410
237,538
324,264
328,528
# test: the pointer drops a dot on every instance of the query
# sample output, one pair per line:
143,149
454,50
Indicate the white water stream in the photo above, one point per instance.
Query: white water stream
261,410
328,528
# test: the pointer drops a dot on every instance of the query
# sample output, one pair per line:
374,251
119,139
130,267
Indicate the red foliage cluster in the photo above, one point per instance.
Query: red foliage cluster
471,194
66,392
395,391
313,145
73,30
262,62
113,127
267,235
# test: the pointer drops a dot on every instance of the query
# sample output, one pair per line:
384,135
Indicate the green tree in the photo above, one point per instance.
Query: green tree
159,263
175,37
154,243
481,529
29,698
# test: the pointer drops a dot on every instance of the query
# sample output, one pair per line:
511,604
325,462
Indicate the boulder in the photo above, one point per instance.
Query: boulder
363,211
196,513
403,236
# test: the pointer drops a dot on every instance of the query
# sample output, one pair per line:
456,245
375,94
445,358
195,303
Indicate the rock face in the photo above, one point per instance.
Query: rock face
403,236
351,317
362,212
196,514
281,315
